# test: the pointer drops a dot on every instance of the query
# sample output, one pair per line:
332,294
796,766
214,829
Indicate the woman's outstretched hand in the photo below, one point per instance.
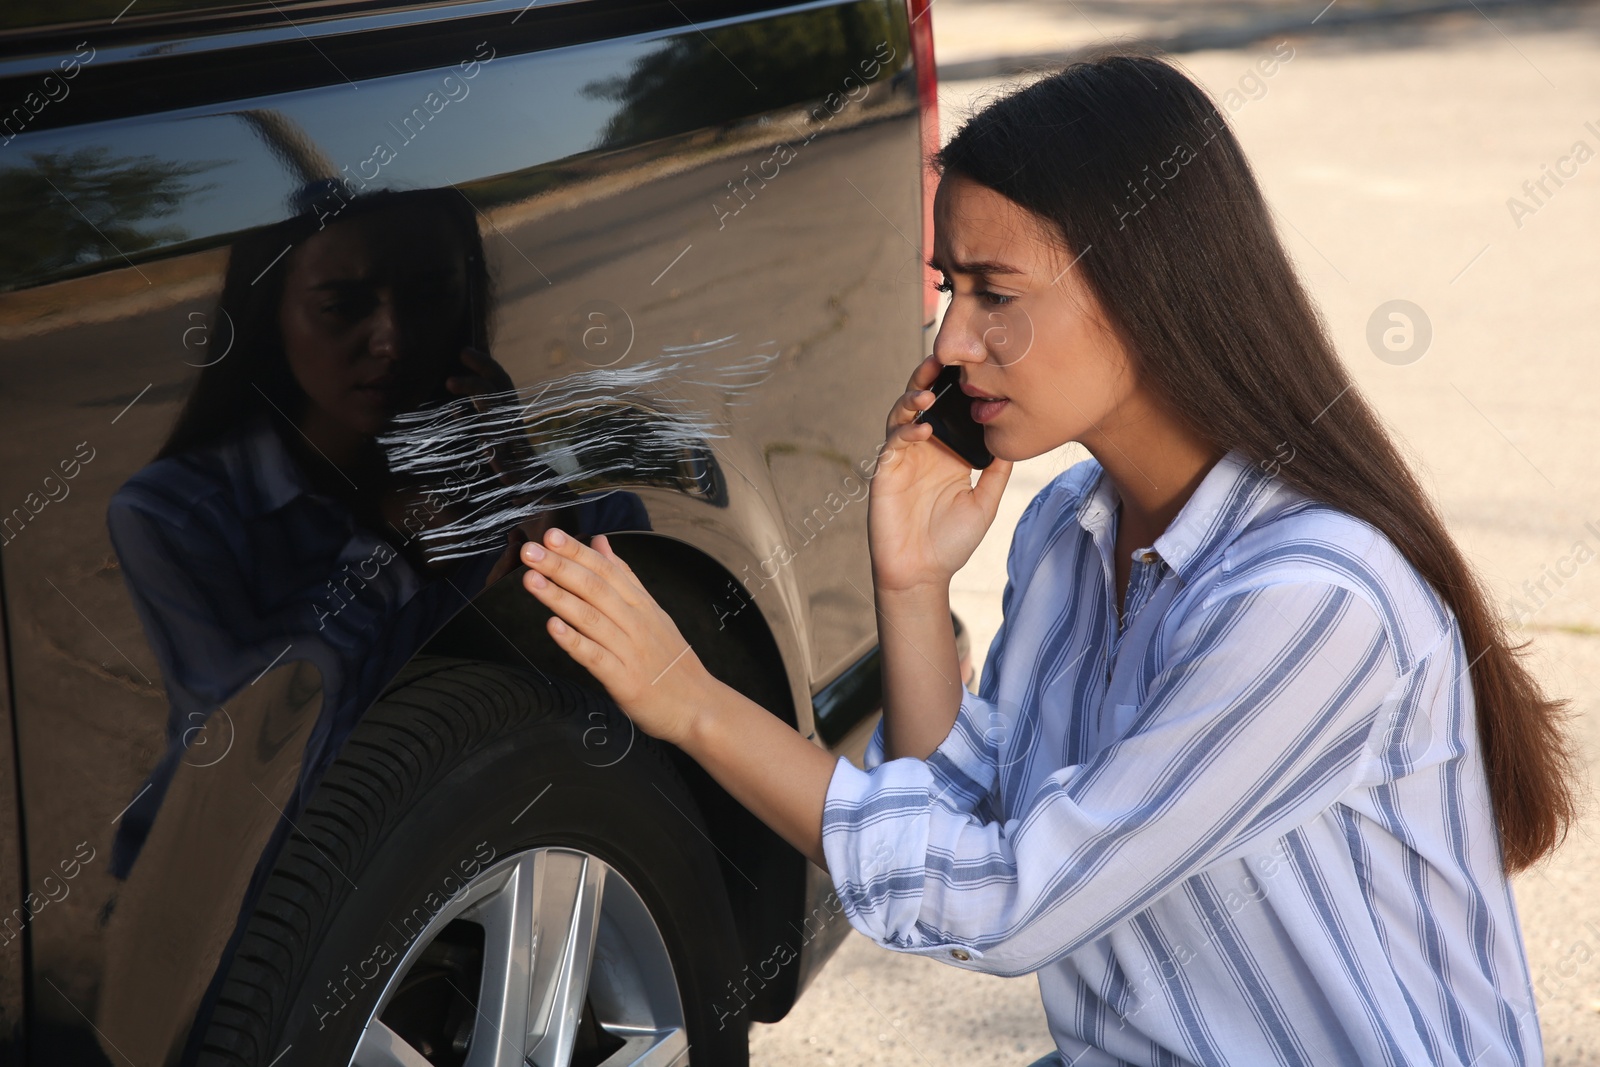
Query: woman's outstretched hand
606,621
925,517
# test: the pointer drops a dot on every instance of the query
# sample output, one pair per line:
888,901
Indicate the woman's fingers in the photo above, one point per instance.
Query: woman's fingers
609,624
466,385
577,611
554,561
899,439
602,547
602,561
918,396
908,407
487,376
907,435
586,652
581,570
924,374
485,366
991,483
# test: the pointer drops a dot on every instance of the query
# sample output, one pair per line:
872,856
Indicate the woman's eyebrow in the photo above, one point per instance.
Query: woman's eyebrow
976,267
429,277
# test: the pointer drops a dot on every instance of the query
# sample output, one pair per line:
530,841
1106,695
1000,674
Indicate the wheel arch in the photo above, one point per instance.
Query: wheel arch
766,878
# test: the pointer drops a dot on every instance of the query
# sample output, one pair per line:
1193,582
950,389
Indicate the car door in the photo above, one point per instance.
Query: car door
727,187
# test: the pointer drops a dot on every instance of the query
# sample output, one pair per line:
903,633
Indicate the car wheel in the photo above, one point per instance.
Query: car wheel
496,871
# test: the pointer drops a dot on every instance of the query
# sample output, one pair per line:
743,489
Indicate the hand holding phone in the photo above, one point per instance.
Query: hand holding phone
926,514
952,421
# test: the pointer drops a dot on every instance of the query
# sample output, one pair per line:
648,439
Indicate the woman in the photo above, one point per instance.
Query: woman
1252,757
270,528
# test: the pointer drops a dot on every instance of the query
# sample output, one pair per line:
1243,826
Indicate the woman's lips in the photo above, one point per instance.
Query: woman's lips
380,394
985,408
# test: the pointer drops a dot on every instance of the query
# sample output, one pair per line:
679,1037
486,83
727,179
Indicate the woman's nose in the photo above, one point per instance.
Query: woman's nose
383,338
956,341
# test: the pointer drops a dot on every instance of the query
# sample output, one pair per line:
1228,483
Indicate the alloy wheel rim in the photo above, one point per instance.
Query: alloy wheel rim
571,960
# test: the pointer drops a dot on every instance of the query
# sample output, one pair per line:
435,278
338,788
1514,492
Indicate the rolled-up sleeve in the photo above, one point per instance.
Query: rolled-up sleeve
1257,724
866,812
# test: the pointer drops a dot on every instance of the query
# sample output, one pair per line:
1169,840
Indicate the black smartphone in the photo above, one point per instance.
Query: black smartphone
952,422
477,328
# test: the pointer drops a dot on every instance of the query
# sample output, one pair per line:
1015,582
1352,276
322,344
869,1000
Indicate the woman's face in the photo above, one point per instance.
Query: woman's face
371,317
1025,329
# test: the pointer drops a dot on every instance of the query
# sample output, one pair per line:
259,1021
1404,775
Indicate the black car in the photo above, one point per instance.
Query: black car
311,312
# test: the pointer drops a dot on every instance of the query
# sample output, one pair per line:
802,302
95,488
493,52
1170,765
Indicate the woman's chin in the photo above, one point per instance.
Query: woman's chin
367,413
1002,445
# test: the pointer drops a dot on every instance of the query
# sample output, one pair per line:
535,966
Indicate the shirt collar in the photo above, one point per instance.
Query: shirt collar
1231,494
265,476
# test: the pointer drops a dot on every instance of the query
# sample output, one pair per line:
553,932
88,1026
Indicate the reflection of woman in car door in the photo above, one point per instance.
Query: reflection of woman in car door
269,529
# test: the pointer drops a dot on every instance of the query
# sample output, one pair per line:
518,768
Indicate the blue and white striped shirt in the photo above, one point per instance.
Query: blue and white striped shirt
1248,825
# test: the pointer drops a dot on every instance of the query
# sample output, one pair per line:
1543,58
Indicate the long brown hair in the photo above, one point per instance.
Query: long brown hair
1137,170
255,371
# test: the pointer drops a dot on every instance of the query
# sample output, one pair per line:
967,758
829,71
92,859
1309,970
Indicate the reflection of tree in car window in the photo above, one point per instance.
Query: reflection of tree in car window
59,210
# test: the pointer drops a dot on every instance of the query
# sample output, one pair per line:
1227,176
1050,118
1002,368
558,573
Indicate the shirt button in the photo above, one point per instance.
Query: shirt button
1148,557
961,954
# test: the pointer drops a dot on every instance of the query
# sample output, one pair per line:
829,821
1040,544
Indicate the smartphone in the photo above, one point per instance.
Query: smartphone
952,422
477,329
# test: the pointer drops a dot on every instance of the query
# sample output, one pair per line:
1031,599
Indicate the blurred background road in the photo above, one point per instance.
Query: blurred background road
1388,146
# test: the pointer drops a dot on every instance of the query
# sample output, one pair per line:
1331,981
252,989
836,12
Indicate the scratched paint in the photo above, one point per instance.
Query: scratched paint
606,428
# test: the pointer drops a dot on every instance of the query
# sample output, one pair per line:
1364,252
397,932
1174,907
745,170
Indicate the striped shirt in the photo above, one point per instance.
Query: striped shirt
236,565
1247,823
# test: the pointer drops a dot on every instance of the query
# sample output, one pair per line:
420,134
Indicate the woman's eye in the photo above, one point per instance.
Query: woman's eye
349,308
994,299
943,286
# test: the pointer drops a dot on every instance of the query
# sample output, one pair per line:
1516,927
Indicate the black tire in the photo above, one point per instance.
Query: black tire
442,769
